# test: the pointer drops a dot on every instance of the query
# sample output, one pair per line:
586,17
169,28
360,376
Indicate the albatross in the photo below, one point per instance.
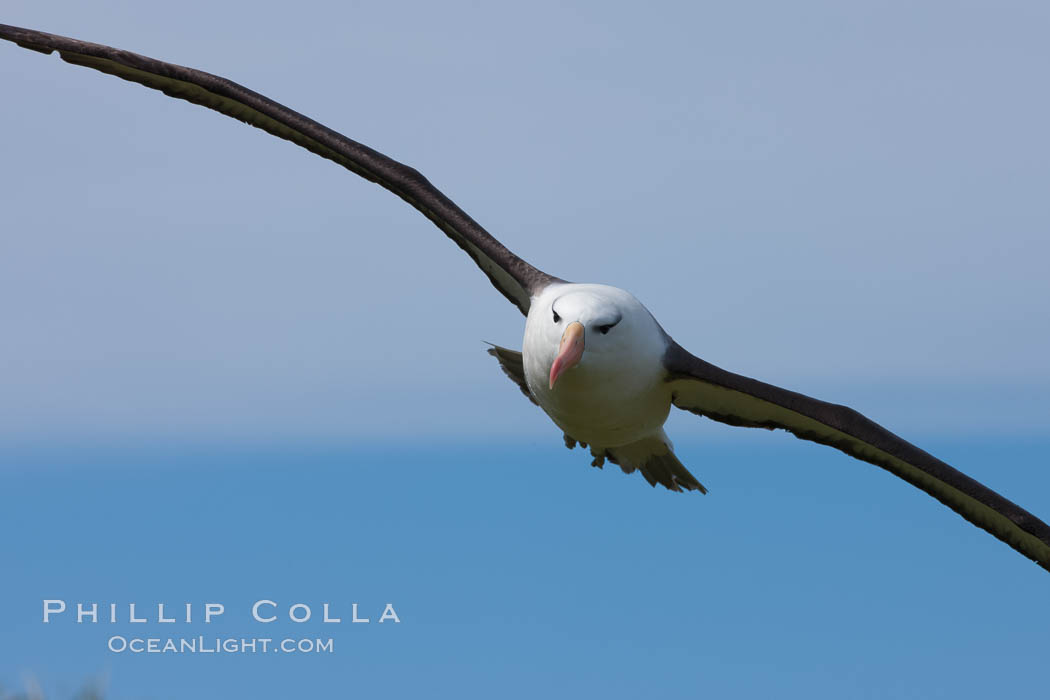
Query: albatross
593,358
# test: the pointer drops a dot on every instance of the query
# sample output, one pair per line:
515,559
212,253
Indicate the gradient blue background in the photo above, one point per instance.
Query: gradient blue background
232,370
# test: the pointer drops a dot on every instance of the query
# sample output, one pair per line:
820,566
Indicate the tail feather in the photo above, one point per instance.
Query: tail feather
654,457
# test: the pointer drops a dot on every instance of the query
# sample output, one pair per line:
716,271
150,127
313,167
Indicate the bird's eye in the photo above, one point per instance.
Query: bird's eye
606,328
557,318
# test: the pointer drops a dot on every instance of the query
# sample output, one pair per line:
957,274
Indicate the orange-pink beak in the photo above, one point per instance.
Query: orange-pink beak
569,352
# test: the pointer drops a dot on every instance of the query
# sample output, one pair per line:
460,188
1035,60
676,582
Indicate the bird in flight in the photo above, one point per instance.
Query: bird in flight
593,357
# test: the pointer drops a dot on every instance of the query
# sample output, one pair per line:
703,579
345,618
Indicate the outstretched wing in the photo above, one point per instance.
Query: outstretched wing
512,276
710,391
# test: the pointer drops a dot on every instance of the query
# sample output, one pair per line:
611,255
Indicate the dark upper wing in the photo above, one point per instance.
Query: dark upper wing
707,390
512,276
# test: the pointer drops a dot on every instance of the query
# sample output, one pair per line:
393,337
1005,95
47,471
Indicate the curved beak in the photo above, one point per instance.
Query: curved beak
569,352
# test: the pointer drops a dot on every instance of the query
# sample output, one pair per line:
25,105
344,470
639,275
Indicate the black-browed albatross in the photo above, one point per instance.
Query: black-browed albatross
593,358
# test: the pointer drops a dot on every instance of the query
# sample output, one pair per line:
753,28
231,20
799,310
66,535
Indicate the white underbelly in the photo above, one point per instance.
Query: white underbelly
603,411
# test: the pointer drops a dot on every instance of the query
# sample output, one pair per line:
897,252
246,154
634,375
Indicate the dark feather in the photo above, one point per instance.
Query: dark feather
710,391
512,276
510,361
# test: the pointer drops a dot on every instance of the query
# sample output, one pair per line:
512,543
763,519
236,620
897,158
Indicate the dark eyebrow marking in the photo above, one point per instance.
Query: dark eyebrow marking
606,327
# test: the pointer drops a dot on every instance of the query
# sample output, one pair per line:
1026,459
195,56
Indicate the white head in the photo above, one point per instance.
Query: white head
591,332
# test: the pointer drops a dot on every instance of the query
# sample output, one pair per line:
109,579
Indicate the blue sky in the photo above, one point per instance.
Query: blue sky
848,200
